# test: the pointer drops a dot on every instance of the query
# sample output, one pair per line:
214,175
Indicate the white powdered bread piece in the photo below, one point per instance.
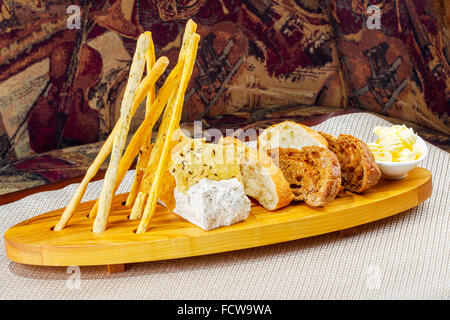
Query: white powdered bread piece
211,204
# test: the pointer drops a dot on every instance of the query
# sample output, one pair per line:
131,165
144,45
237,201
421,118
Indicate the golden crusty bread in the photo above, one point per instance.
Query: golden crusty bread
290,135
199,159
358,167
261,178
314,173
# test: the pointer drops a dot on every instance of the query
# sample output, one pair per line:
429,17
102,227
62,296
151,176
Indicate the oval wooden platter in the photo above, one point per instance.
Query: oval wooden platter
33,241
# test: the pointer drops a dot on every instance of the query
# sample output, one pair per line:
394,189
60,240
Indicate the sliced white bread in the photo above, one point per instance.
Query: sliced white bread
290,135
261,178
302,154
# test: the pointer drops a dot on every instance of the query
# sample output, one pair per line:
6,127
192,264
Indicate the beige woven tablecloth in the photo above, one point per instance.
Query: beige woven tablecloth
406,256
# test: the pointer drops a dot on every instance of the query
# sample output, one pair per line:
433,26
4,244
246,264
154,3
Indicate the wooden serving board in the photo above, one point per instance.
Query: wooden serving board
33,241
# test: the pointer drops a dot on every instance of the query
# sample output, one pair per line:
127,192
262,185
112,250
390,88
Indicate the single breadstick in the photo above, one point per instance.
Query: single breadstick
145,149
139,174
150,206
138,204
141,92
144,131
190,29
151,58
136,72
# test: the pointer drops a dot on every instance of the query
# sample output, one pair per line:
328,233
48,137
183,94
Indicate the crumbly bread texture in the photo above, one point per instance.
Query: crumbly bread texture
290,135
197,160
314,173
261,178
358,167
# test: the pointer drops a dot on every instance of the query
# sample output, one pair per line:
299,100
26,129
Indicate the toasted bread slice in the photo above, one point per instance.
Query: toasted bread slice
261,178
290,135
314,173
358,167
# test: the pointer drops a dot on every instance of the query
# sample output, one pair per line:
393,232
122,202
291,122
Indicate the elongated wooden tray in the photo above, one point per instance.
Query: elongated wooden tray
33,241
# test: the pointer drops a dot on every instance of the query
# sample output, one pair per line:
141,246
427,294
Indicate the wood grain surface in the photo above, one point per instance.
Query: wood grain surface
34,242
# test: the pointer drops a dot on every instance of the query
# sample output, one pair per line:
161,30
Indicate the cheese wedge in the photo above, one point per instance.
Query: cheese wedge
211,204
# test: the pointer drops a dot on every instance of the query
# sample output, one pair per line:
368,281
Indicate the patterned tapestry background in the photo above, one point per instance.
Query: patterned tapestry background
61,89
252,54
401,70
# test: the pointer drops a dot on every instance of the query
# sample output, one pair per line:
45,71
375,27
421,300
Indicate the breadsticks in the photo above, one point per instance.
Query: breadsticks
136,71
144,131
138,206
153,159
141,92
138,203
174,123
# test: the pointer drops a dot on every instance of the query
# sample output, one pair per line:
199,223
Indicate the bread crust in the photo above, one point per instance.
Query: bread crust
283,191
371,172
282,188
329,185
310,131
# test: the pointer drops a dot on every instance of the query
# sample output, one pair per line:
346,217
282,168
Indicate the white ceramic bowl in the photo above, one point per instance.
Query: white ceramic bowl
399,170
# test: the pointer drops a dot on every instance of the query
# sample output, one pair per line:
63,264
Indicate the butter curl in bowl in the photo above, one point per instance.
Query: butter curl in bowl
397,150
